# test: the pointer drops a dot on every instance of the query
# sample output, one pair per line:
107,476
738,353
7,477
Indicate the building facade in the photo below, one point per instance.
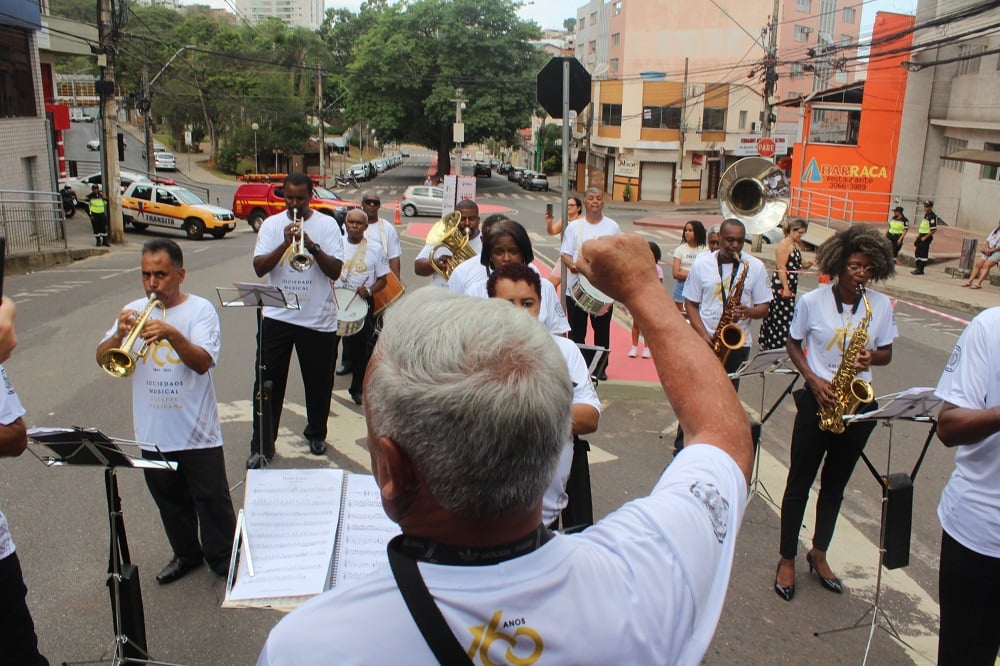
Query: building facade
295,13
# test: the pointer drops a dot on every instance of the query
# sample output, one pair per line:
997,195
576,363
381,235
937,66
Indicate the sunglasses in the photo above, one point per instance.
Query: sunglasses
371,202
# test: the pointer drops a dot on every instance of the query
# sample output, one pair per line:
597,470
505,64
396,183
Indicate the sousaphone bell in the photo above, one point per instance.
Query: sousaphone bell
755,192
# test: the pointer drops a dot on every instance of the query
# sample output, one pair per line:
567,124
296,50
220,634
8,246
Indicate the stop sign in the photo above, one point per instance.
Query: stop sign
766,147
550,86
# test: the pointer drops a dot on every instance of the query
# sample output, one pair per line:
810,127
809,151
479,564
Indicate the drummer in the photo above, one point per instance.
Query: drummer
364,274
592,225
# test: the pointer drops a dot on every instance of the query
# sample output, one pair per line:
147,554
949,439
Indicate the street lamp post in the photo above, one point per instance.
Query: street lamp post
256,162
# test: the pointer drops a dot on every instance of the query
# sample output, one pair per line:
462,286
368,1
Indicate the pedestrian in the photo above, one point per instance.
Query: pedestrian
990,258
784,285
925,234
97,208
898,226
694,243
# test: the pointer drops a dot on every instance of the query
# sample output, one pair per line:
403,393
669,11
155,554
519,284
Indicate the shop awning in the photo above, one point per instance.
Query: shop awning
987,157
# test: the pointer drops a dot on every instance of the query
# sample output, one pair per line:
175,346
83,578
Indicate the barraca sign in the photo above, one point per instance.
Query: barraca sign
844,176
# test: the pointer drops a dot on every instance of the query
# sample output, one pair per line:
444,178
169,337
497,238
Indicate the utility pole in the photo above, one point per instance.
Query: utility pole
770,72
679,176
322,136
459,131
110,175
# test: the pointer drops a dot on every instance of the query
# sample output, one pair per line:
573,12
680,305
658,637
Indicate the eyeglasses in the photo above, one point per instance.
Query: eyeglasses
371,202
858,269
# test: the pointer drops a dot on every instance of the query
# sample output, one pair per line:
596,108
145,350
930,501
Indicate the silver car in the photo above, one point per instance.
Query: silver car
422,200
165,161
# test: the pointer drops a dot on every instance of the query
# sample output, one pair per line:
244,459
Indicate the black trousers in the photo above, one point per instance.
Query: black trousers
577,317
196,495
358,350
896,245
969,587
317,355
99,223
17,630
921,250
811,447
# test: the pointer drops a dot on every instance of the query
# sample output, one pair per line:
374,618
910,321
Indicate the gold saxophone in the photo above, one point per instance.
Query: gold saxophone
728,335
446,234
851,391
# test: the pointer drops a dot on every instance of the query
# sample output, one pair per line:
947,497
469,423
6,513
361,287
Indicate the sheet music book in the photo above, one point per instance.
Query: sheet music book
308,530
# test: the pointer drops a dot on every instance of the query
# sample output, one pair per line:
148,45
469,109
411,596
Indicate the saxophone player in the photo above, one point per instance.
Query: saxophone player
846,329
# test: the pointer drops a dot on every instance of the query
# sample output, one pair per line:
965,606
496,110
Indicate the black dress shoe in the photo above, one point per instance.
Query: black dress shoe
356,397
317,447
786,592
917,272
175,570
257,461
344,370
832,584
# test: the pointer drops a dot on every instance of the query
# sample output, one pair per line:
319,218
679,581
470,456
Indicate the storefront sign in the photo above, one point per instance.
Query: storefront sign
746,145
698,160
627,168
856,177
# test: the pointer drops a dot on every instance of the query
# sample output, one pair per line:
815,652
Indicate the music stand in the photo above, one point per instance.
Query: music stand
258,295
597,359
766,363
90,447
914,404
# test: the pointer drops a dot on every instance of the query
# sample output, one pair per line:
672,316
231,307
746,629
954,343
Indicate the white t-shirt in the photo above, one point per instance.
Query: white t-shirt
383,233
688,254
704,286
364,271
318,309
825,332
577,233
556,499
10,411
970,503
172,405
645,585
470,278
475,243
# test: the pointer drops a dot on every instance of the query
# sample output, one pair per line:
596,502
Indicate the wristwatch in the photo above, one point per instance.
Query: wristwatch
314,248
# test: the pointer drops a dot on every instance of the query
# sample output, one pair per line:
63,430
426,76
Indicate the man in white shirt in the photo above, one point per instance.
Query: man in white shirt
174,407
469,223
310,330
969,575
465,432
592,225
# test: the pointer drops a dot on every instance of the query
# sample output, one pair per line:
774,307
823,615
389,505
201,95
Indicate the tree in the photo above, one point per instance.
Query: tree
569,25
423,51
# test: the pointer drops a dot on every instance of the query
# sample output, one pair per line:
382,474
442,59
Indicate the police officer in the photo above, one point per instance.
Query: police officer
97,207
898,226
925,234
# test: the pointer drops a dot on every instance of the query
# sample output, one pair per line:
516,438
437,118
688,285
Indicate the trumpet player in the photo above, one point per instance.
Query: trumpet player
469,223
845,332
174,406
301,251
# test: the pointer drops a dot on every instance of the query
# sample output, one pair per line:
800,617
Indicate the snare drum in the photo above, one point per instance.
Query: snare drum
589,298
351,312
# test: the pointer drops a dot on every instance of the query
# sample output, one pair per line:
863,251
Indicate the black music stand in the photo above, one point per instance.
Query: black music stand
90,447
766,363
259,295
916,404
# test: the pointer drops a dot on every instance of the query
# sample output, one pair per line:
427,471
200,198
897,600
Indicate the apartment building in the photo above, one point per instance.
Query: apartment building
678,88
295,13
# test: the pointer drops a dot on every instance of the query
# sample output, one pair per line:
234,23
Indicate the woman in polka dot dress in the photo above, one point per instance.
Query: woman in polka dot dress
784,285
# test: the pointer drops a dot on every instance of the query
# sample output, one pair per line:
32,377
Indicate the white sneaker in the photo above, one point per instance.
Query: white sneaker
645,353
633,352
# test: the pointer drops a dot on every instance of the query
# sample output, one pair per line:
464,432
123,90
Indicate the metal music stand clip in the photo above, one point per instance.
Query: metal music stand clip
90,447
915,404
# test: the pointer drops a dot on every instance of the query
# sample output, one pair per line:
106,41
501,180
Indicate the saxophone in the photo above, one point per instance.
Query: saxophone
851,391
728,335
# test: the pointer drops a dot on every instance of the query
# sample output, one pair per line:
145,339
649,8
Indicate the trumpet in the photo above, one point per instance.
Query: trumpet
120,361
300,260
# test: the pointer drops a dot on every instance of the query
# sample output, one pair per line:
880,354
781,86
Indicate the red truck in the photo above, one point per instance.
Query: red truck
261,196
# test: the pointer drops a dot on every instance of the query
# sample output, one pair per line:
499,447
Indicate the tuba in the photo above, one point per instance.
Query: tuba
446,234
299,259
851,391
120,361
754,191
728,335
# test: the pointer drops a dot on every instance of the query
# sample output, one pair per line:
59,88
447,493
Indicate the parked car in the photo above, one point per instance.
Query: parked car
94,144
504,167
525,177
404,153
494,163
81,186
482,169
422,200
537,181
254,202
164,161
156,149
149,204
515,173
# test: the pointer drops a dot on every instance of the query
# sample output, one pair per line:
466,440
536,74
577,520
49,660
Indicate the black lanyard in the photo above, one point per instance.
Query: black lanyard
840,303
425,550
732,277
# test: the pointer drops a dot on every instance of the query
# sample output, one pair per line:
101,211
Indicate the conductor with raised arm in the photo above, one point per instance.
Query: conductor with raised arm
463,473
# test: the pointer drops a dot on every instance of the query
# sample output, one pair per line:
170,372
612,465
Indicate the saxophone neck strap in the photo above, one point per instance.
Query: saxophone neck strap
732,276
840,302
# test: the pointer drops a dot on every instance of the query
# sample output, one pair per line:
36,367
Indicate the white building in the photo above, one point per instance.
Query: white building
295,13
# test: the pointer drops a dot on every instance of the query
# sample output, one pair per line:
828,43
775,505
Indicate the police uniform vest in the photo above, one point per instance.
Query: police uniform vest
926,226
97,205
896,227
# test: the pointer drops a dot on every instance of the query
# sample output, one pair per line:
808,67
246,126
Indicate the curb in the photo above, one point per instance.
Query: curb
26,263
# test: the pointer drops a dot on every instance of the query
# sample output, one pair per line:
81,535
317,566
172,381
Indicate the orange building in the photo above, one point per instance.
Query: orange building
844,161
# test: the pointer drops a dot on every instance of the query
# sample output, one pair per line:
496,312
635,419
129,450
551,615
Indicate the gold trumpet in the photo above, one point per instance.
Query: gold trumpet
300,260
120,361
446,234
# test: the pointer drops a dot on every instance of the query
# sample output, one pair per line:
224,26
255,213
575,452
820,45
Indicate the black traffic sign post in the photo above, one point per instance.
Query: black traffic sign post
563,85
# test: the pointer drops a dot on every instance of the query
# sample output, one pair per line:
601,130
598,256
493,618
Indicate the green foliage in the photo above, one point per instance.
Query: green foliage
552,164
228,159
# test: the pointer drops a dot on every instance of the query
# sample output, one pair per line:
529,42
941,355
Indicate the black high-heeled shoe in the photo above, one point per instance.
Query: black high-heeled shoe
832,584
786,592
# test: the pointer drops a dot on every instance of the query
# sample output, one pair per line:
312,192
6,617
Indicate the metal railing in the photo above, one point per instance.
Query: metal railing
32,221
820,207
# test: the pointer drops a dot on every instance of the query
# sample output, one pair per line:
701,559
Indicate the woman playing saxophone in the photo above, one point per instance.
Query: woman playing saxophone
846,328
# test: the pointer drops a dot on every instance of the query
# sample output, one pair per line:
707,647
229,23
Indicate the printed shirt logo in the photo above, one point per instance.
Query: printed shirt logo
956,356
717,505
522,646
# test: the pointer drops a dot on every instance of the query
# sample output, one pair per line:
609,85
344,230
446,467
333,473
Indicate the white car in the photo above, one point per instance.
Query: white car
81,186
165,161
422,200
94,144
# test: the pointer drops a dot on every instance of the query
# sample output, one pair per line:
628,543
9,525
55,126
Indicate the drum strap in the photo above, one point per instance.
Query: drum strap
357,265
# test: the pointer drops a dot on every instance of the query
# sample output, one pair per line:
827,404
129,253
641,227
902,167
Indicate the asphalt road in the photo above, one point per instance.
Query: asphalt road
59,521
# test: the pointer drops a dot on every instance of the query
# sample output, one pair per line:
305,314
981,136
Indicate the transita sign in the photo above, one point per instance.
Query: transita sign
845,176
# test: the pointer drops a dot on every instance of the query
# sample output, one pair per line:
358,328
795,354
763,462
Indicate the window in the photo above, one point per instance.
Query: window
990,171
143,192
837,126
849,13
801,33
713,119
613,65
617,7
796,69
845,40
803,5
953,146
971,54
616,39
582,23
593,19
592,45
611,114
17,85
743,119
661,117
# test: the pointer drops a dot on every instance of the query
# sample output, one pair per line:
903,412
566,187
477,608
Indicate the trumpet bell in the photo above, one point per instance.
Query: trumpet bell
117,363
755,192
